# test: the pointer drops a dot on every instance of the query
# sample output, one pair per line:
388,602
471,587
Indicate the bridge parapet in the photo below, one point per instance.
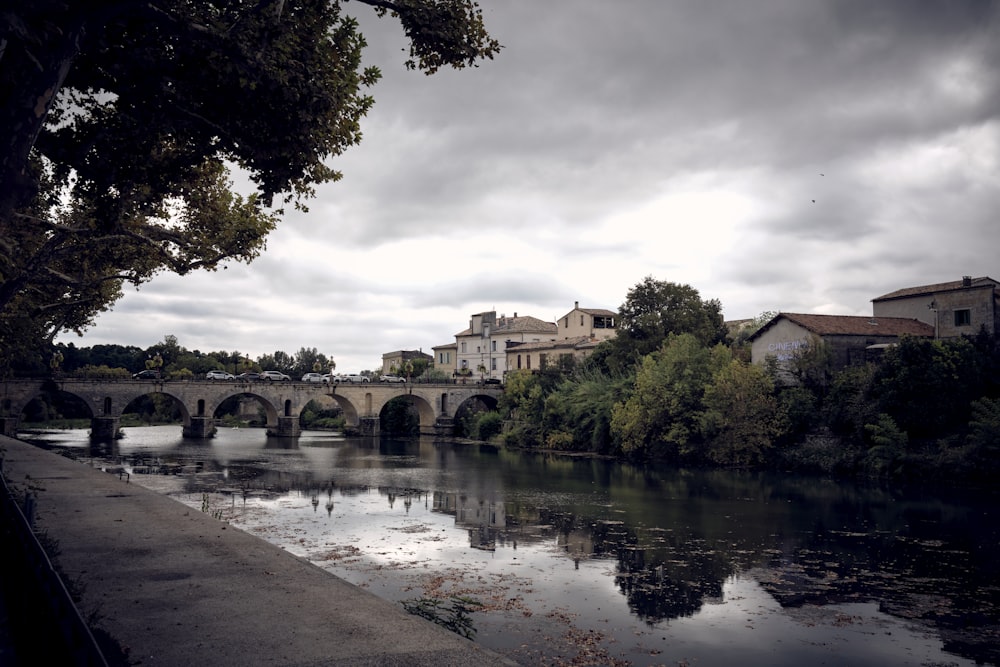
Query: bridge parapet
283,402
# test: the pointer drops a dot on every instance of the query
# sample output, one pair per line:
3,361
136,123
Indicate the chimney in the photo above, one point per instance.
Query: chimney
966,281
576,305
515,314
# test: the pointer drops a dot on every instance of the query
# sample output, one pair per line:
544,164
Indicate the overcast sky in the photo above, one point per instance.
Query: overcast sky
790,155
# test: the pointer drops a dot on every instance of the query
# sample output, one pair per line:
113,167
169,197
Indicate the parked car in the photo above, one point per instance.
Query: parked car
391,378
272,376
316,377
248,377
218,375
146,375
353,377
491,381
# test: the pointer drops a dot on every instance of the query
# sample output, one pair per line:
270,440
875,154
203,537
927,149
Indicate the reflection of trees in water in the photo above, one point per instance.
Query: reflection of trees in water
677,536
662,575
910,571
659,577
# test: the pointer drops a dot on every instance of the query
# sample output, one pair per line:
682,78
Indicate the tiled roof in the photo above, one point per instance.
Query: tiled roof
601,312
852,325
933,289
524,324
445,346
576,342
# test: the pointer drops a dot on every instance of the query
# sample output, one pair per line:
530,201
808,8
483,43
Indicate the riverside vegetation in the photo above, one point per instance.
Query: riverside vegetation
676,386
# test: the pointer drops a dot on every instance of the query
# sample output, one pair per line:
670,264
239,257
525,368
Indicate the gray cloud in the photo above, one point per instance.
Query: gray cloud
613,140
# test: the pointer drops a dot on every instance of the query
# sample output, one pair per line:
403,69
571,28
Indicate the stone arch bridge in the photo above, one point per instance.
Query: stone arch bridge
283,402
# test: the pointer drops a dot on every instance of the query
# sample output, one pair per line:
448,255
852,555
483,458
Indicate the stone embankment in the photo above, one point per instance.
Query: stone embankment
168,585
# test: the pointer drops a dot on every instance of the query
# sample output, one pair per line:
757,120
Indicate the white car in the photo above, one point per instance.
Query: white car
316,377
272,376
218,375
391,378
352,377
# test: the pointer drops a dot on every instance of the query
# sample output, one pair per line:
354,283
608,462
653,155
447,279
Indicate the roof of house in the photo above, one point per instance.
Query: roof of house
602,312
408,354
445,346
575,343
983,281
522,324
852,325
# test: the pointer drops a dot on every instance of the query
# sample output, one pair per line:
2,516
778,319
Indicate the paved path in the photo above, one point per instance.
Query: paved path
174,586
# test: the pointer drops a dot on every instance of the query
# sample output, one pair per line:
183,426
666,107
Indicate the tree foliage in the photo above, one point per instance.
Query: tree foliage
661,418
119,120
654,309
742,418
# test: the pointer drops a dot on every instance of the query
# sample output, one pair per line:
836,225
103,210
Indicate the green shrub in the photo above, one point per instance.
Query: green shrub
487,425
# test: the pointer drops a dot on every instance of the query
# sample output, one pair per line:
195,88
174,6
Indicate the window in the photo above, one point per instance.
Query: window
493,364
494,345
963,318
527,361
519,361
581,319
463,346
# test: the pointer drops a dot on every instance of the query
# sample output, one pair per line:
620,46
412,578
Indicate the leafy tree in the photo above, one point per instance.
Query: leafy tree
984,433
847,407
928,386
887,446
279,361
308,360
418,367
661,418
581,408
653,310
119,120
750,327
523,401
742,417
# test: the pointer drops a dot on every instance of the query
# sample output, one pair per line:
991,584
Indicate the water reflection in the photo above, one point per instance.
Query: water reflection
675,540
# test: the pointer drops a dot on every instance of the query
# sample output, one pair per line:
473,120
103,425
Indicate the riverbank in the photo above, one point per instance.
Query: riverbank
174,586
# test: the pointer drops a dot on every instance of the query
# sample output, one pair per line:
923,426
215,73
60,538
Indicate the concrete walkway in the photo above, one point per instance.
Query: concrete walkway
176,587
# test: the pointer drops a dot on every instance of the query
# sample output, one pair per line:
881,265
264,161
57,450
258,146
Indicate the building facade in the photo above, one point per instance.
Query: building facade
953,309
593,323
446,358
533,356
851,340
481,349
394,363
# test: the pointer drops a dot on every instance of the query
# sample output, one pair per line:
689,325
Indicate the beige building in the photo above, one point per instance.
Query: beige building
960,307
851,339
594,323
533,356
446,357
394,363
481,347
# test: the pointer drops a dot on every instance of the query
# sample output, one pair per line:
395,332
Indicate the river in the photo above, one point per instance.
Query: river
578,561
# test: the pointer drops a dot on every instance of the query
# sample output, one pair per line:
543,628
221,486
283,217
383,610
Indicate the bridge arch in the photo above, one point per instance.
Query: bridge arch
426,414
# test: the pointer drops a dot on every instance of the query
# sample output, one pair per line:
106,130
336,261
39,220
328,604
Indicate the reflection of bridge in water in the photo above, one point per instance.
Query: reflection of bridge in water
283,402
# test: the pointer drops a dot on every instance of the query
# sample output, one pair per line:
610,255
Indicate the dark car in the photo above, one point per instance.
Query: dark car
146,375
248,377
491,381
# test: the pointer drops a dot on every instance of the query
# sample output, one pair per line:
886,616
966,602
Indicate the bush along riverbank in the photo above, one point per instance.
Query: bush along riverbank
929,409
